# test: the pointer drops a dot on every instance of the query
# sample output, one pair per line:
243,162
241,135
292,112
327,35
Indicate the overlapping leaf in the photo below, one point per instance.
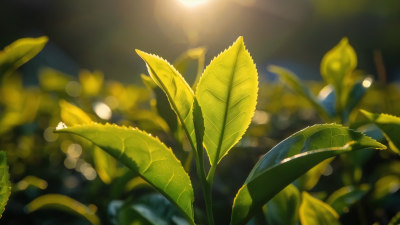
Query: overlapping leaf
227,95
145,155
343,198
283,208
390,126
179,94
315,212
293,157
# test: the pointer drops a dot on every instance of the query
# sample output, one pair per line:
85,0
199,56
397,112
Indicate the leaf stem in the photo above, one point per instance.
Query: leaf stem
206,185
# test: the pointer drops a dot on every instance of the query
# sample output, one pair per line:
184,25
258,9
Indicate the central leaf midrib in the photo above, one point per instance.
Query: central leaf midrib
221,137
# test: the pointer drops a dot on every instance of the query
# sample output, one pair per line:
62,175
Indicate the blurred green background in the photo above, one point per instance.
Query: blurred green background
99,34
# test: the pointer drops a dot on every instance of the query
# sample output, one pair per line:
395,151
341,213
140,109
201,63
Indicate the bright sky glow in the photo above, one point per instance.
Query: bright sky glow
193,3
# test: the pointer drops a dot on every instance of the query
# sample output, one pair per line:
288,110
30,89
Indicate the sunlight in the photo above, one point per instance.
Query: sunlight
193,3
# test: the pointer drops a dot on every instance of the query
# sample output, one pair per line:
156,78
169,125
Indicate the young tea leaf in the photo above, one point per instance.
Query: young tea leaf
337,63
292,158
316,212
227,95
390,126
19,52
64,203
179,94
147,156
5,189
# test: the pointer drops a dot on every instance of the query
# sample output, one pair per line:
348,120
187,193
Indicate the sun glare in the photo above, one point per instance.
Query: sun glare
193,3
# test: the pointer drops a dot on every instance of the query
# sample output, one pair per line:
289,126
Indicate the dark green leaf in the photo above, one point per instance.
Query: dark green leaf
293,157
283,208
343,198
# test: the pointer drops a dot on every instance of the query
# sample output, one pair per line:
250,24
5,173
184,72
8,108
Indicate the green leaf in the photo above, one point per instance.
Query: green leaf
355,95
147,156
227,95
294,83
64,203
390,126
182,63
395,220
72,115
5,189
343,198
152,209
19,52
293,157
91,82
53,80
179,94
283,208
106,166
311,178
316,212
337,63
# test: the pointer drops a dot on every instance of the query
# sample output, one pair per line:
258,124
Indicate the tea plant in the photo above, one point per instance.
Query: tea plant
213,113
214,118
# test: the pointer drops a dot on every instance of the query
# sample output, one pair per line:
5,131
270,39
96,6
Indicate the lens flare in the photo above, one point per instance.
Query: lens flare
193,3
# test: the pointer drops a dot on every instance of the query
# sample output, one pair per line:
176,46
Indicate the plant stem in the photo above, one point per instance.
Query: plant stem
206,186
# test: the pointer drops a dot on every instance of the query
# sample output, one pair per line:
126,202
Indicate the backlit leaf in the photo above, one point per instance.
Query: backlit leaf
316,212
227,95
72,115
147,156
19,52
293,157
390,126
64,203
337,63
5,189
179,94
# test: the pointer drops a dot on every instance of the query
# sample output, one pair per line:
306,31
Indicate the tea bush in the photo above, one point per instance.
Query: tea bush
178,153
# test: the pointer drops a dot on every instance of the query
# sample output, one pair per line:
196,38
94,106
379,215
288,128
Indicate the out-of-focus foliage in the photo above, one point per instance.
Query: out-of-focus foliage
362,184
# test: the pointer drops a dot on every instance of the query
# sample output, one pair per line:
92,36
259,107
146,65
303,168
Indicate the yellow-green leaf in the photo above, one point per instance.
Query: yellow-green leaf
5,189
72,115
19,52
283,209
338,63
227,95
91,82
64,203
293,157
316,212
178,92
106,166
147,156
389,125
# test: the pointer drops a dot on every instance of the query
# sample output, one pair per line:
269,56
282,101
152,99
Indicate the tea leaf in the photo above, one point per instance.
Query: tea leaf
292,158
179,94
105,165
5,188
389,125
294,83
227,95
283,208
316,212
152,209
19,52
343,198
337,63
147,156
64,203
